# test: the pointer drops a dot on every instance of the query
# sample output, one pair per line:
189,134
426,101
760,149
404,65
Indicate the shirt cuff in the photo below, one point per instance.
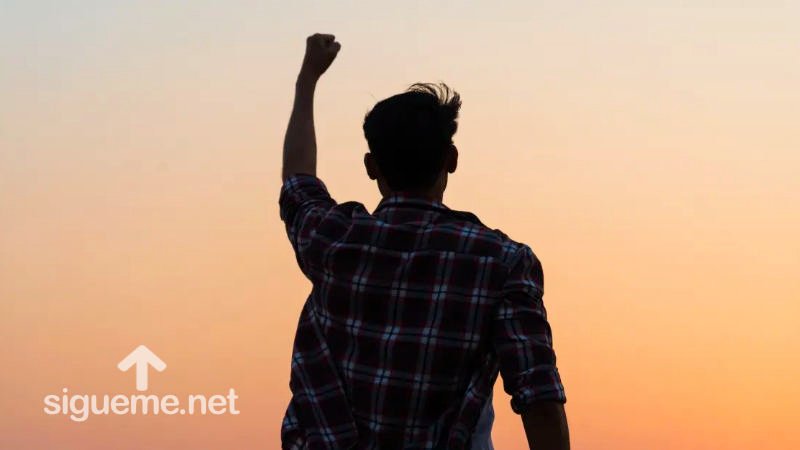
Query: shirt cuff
299,181
300,190
535,385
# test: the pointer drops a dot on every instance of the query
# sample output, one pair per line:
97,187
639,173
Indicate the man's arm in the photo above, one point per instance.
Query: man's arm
300,143
546,426
524,347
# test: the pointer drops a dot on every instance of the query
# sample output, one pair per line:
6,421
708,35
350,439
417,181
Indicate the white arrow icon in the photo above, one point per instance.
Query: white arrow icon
142,357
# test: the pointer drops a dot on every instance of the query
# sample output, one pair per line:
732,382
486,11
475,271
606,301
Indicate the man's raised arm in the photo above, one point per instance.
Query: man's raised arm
300,143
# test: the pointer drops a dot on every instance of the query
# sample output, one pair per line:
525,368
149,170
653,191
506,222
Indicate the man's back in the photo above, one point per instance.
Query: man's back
413,311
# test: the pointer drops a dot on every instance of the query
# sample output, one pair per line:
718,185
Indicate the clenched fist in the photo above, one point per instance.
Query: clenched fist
321,50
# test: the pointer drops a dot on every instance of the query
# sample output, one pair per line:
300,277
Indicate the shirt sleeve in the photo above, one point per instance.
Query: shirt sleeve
523,338
304,202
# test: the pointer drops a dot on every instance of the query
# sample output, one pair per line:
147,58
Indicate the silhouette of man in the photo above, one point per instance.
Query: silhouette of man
415,307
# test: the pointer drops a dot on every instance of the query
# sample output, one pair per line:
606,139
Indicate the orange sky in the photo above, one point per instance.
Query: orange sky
647,152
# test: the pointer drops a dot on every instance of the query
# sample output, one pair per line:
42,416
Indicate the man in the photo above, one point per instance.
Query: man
414,307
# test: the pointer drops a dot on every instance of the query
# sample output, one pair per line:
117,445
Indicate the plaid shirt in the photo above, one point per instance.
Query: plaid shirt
414,309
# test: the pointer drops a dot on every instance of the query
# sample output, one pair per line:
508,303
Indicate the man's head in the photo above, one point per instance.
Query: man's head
410,138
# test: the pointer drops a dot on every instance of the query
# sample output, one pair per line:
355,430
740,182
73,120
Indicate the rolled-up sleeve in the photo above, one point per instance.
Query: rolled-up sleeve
523,338
304,202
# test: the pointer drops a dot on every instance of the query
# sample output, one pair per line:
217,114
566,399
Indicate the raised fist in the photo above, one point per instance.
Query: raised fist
321,50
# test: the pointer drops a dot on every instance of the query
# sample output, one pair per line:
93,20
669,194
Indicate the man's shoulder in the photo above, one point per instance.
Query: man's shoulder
495,240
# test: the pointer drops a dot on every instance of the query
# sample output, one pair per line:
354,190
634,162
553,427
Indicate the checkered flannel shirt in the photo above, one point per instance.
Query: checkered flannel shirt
413,311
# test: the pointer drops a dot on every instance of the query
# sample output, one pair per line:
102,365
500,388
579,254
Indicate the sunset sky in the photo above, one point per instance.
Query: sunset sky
648,152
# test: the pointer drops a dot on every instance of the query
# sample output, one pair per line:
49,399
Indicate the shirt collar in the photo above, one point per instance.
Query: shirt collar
400,200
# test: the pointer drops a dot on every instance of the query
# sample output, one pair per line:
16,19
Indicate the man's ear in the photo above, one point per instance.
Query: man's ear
371,166
452,159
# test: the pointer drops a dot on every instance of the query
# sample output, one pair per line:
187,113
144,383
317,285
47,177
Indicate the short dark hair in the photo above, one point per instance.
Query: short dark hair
409,133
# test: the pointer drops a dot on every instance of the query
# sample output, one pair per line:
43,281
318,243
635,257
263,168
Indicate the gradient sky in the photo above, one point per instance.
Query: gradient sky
647,151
